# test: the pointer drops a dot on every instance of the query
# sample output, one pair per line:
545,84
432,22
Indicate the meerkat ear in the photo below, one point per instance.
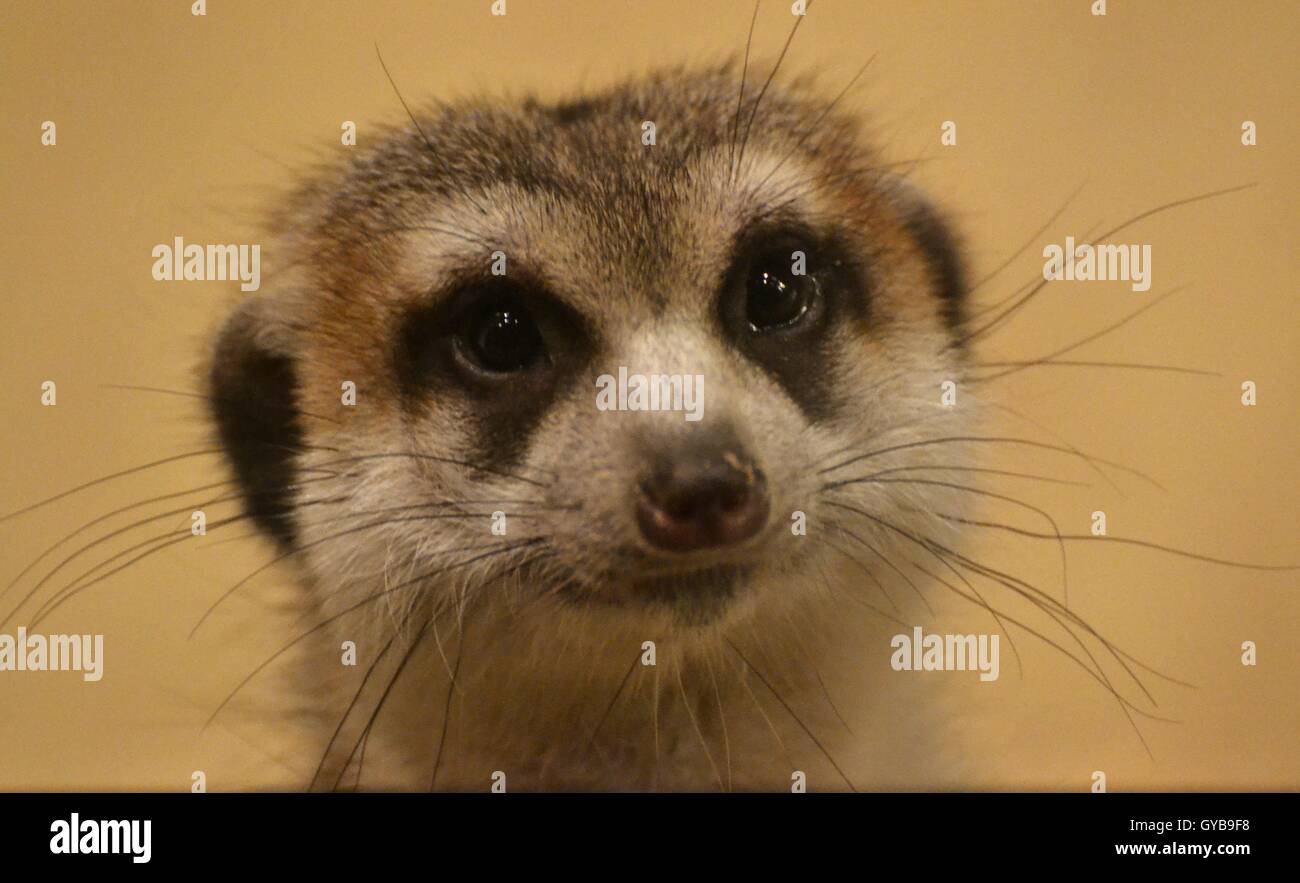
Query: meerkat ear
941,248
252,396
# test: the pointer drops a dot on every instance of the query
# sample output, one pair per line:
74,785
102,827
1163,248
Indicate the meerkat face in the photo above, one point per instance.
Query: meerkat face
607,348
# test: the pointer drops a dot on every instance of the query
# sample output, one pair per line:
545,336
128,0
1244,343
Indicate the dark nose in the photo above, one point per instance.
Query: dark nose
702,499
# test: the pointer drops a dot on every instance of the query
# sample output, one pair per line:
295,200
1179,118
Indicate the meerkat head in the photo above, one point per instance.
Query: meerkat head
602,352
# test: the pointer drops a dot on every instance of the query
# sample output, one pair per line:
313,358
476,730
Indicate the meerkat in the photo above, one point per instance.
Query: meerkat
603,599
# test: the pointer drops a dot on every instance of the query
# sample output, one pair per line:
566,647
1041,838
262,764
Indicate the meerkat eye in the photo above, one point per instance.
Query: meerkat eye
501,336
492,337
776,297
776,286
787,301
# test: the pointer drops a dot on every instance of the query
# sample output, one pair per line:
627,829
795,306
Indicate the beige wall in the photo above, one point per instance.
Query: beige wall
174,125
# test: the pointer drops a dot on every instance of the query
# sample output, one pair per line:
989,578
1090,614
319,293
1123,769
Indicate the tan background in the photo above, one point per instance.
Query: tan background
170,124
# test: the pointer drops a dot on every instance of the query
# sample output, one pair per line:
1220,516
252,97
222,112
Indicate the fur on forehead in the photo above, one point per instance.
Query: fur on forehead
588,149
597,261
571,188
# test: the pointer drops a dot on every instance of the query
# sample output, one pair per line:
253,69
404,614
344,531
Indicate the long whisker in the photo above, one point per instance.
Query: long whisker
1096,334
370,599
1018,252
722,718
826,111
75,587
383,698
1126,707
446,707
1144,544
854,598
974,591
591,740
1045,602
102,518
433,153
740,99
779,698
890,564
111,535
690,713
379,658
1005,314
744,142
118,532
984,439
175,458
1039,598
1042,513
206,397
1061,363
981,469
298,550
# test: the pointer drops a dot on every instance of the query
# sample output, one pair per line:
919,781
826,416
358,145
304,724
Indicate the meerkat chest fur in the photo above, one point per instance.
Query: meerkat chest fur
578,429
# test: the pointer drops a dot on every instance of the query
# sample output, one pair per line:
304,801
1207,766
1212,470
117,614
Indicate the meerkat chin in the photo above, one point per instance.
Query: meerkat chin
580,586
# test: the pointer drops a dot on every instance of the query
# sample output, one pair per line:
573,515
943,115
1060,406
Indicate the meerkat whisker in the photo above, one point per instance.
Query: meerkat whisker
370,599
1005,314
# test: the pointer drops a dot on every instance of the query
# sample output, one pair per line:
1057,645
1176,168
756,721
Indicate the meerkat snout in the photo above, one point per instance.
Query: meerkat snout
702,493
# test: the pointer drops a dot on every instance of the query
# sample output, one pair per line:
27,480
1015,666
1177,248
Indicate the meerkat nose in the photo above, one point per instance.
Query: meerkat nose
702,496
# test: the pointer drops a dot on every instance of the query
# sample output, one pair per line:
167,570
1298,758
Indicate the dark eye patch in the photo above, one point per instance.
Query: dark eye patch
505,345
786,322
